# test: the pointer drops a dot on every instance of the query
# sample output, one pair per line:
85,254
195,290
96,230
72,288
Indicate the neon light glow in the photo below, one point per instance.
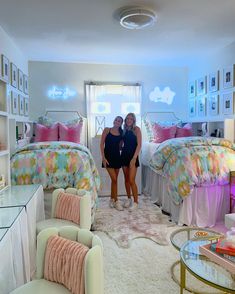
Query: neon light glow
165,96
101,107
130,107
61,93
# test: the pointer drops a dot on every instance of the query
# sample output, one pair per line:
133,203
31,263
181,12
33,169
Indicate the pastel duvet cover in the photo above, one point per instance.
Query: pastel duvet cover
193,161
55,165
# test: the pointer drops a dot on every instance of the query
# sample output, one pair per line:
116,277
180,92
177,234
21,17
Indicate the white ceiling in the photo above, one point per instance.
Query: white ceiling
88,31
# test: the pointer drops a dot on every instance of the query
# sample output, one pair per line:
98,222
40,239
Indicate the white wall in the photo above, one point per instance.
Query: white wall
12,52
43,75
215,62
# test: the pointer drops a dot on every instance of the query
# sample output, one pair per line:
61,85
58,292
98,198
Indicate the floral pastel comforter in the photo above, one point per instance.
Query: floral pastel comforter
193,161
55,165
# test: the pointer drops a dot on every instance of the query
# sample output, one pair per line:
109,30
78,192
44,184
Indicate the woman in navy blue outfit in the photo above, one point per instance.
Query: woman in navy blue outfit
110,146
132,141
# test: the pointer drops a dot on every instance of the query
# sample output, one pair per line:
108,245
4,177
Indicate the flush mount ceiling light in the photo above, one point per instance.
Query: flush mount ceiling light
137,18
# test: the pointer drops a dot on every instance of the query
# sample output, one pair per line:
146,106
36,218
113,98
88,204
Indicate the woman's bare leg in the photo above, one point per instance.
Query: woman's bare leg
113,173
134,189
127,182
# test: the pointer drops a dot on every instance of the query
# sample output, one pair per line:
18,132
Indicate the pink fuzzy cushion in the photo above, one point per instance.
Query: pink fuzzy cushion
68,207
43,133
70,133
185,131
161,134
64,263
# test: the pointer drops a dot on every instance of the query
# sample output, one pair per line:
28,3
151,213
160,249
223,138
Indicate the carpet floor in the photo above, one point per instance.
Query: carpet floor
145,266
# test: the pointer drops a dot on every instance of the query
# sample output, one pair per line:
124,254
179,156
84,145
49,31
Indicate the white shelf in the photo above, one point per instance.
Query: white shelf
3,113
19,118
4,152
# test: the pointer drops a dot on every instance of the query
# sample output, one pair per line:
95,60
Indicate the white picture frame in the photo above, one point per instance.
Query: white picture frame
213,81
201,102
21,105
201,86
192,89
5,68
20,80
26,106
228,77
14,77
213,104
192,107
14,101
26,84
228,103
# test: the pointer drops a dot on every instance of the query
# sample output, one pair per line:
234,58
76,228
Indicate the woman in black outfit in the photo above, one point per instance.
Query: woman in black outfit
110,146
129,157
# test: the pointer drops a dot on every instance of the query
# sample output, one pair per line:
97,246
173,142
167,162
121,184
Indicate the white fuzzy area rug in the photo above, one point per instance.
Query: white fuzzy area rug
144,268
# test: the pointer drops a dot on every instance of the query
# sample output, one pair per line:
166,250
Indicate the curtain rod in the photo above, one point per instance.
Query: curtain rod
111,84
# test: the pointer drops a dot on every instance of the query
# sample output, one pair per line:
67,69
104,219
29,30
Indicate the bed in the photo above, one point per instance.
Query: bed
188,176
57,164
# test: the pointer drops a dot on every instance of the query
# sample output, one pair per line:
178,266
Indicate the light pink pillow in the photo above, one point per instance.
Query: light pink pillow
185,131
43,133
161,134
70,133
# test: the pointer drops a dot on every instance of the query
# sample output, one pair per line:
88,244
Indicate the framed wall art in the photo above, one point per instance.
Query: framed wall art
201,106
20,80
13,75
192,89
14,99
26,106
5,68
201,86
228,77
213,81
228,103
25,82
192,107
213,104
21,105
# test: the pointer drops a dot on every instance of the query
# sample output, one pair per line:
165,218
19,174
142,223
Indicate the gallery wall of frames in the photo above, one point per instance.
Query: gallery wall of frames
17,87
212,95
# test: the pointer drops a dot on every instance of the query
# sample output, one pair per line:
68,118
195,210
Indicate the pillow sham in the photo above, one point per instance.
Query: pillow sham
43,133
70,133
46,121
185,131
162,134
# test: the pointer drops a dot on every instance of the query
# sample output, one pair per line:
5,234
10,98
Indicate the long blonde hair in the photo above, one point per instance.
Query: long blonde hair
125,128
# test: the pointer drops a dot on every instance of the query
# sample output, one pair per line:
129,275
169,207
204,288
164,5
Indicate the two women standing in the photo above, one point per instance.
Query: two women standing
121,149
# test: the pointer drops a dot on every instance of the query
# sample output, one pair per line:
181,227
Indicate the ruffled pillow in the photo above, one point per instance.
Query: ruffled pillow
185,131
43,133
162,134
70,133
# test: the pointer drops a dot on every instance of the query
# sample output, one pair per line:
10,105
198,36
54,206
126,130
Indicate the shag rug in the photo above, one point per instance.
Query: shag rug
124,226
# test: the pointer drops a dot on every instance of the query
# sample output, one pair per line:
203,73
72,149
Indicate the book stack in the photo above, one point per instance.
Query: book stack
220,253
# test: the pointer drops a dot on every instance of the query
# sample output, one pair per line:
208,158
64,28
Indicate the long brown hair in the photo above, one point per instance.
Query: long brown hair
134,123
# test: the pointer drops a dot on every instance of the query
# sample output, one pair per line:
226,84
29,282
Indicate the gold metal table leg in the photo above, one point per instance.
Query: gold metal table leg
182,277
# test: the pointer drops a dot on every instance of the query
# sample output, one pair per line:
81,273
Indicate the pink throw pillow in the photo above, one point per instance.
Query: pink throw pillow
70,133
185,131
161,134
43,133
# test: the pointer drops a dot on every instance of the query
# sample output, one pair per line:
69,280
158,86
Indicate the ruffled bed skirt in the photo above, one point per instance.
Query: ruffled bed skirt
205,207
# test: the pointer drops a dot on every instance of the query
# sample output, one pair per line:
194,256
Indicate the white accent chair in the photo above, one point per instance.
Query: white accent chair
85,211
93,272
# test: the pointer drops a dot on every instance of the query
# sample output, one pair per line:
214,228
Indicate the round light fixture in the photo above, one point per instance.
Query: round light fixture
137,18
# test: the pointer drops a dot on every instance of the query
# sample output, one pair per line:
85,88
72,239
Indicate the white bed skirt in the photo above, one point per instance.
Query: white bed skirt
203,208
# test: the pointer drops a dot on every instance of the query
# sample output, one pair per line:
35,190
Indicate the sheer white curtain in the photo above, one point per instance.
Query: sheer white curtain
106,101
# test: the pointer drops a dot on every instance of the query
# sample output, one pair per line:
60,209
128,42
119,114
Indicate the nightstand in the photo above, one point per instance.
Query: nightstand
232,189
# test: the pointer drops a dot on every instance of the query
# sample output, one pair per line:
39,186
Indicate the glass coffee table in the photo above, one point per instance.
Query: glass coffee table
203,269
185,234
